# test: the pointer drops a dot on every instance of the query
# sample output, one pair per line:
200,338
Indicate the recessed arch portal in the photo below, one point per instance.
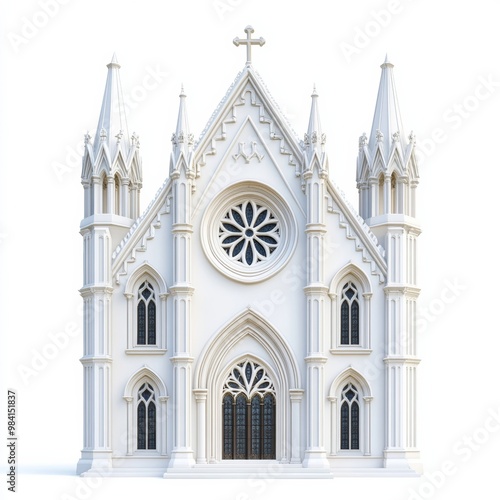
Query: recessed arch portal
249,339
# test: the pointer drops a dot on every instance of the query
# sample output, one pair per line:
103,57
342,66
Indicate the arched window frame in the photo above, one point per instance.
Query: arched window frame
141,275
350,315
146,315
349,418
117,195
351,274
132,398
350,377
146,418
249,383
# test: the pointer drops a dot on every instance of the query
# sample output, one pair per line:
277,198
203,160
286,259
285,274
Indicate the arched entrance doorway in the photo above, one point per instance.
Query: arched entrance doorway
248,413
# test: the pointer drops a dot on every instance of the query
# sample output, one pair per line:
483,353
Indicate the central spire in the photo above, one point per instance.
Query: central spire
249,41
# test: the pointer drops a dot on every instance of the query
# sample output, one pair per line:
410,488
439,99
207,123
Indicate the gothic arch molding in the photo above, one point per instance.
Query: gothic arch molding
346,376
354,270
215,363
145,373
144,270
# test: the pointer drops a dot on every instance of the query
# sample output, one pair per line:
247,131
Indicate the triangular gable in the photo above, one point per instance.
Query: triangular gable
248,85
256,151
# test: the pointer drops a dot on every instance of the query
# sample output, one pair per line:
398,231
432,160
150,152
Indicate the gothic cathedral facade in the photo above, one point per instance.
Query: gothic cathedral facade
250,318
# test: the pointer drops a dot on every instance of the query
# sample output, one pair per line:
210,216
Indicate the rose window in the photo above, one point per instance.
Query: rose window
249,233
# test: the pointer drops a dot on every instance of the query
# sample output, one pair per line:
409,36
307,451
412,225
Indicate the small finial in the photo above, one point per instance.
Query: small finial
182,94
119,136
114,61
363,141
387,63
315,93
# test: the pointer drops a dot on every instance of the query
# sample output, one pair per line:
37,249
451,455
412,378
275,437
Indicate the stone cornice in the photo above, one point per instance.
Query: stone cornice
316,358
100,358
398,360
408,290
182,289
87,291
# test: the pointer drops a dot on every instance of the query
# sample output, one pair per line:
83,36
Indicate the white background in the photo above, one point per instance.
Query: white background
53,71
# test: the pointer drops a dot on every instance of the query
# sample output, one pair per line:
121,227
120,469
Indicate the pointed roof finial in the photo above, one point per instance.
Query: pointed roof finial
387,63
315,136
182,139
114,61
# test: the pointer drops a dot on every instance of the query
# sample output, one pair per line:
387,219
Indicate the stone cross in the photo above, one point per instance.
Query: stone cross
248,41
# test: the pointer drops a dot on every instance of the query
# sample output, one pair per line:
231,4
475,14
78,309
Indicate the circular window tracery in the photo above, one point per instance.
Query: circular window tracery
249,233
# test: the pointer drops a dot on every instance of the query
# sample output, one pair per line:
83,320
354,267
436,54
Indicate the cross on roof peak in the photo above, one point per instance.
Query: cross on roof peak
249,41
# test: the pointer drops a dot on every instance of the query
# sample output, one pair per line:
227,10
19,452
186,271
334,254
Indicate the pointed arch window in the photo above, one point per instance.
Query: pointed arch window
146,315
249,413
104,183
146,418
394,194
349,315
117,209
349,418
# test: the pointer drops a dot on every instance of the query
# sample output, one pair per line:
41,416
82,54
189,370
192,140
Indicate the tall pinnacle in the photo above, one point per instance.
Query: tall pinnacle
315,138
182,139
112,126
387,124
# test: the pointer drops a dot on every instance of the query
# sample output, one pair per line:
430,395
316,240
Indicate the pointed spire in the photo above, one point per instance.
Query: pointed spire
182,139
314,138
112,126
387,125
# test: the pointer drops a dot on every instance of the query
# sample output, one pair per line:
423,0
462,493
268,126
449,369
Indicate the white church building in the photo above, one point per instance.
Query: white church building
250,319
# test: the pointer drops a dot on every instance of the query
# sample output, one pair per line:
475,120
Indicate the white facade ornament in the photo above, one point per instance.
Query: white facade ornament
248,156
363,141
237,327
